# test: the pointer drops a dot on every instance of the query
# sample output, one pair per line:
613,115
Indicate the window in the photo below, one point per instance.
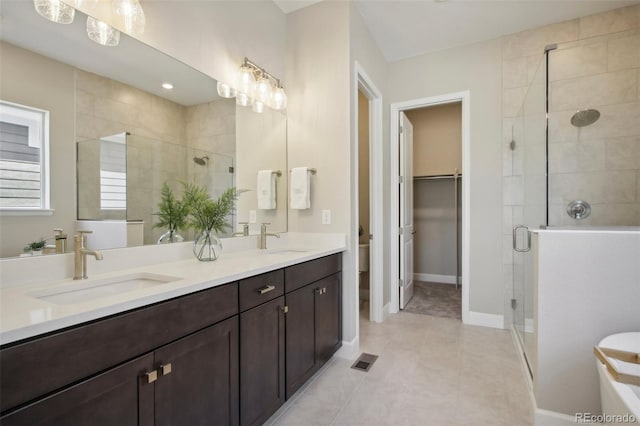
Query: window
113,172
24,162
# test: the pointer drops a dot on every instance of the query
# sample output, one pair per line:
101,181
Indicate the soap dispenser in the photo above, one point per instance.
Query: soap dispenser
61,241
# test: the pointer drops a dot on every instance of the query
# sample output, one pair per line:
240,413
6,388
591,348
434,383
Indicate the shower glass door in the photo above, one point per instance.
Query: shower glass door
530,167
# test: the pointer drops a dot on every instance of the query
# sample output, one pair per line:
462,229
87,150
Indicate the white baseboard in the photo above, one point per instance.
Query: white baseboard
552,418
349,350
386,311
434,278
485,320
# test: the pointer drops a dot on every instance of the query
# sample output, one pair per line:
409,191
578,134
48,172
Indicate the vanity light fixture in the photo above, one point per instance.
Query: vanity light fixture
255,87
167,85
55,10
102,33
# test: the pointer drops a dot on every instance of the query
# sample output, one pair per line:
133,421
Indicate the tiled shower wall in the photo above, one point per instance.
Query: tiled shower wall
596,66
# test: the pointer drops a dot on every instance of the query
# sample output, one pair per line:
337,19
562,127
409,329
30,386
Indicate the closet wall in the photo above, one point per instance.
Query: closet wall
437,152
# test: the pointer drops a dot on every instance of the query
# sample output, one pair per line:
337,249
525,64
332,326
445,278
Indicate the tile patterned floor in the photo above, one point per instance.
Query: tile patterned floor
436,299
430,371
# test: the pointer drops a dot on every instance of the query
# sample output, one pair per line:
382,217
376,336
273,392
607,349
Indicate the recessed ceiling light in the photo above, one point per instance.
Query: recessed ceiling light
167,86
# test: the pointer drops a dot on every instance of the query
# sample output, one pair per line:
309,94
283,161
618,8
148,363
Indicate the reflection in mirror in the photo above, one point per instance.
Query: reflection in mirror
93,92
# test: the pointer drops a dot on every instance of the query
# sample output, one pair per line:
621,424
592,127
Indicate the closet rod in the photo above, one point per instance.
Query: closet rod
437,177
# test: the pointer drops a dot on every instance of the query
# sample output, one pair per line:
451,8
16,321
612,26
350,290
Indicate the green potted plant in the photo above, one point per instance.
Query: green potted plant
207,216
172,216
35,247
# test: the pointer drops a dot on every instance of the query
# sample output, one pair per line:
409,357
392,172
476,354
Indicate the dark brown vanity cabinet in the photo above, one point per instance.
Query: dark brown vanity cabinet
227,355
184,369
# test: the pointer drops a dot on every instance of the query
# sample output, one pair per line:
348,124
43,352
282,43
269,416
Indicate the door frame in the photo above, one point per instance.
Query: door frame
376,152
394,249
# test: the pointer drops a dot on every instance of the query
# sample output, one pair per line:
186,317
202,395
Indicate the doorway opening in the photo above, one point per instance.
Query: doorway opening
434,183
434,180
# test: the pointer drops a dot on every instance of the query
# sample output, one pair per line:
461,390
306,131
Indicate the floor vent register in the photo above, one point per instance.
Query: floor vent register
364,362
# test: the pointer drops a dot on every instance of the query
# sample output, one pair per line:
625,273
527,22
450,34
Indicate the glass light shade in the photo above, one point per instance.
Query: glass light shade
132,15
263,89
55,10
243,99
246,81
102,33
257,106
279,99
226,91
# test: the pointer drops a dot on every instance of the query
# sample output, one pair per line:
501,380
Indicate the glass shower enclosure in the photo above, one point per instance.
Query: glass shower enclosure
575,151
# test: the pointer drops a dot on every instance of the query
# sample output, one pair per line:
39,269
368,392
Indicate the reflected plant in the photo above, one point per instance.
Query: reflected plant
172,212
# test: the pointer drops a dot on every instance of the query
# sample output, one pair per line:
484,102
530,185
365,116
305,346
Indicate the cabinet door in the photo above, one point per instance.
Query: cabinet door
300,342
121,396
261,362
328,317
202,386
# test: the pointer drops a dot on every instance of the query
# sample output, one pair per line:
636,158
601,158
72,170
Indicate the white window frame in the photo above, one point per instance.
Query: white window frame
38,122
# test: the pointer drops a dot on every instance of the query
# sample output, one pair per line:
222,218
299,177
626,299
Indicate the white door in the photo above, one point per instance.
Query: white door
406,210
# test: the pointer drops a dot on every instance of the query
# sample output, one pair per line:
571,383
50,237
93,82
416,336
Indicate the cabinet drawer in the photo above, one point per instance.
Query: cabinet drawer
297,276
42,365
262,288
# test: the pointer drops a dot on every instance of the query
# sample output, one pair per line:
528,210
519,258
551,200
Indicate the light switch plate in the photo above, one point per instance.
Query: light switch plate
252,216
326,217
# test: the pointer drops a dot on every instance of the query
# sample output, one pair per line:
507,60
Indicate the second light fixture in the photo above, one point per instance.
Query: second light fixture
255,87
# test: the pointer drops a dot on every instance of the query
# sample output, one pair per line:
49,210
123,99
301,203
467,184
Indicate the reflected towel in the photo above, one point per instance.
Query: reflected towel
300,188
266,190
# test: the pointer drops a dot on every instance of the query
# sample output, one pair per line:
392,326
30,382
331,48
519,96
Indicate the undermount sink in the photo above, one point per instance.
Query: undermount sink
83,291
285,250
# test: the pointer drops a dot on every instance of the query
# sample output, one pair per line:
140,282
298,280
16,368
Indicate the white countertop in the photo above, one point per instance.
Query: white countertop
23,316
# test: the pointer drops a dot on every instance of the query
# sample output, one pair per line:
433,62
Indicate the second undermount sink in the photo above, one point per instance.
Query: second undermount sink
83,291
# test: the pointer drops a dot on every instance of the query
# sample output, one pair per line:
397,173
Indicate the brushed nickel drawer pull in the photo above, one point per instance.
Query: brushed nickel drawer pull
151,376
165,368
321,291
266,289
284,309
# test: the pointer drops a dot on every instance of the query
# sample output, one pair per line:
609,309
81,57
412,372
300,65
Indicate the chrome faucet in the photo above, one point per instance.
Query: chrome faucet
80,260
264,235
245,230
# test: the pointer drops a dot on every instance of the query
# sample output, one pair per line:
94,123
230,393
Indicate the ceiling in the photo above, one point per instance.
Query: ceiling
405,28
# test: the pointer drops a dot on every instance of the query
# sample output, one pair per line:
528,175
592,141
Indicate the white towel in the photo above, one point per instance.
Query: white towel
300,188
266,190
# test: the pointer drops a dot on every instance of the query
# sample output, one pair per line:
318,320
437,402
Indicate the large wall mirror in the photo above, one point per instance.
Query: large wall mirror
116,136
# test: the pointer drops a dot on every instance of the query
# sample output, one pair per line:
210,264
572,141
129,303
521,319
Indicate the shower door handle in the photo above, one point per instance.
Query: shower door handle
515,239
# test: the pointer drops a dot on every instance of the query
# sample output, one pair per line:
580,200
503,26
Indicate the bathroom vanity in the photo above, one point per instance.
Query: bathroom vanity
231,352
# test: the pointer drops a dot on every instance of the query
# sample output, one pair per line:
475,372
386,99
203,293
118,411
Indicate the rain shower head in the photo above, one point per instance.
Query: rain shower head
201,161
585,117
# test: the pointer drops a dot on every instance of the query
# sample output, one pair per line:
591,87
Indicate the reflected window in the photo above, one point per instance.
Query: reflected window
24,162
113,172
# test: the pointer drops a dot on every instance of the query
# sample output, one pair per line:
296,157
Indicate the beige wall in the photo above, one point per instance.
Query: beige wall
478,69
437,139
260,146
33,80
363,166
598,56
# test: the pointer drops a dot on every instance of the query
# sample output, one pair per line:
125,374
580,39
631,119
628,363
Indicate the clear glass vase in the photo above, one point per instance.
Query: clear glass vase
207,246
171,236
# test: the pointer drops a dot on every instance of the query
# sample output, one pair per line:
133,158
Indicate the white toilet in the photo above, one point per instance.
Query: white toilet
363,266
620,399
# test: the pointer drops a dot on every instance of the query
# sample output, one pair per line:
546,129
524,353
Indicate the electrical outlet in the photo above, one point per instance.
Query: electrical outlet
326,217
252,216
